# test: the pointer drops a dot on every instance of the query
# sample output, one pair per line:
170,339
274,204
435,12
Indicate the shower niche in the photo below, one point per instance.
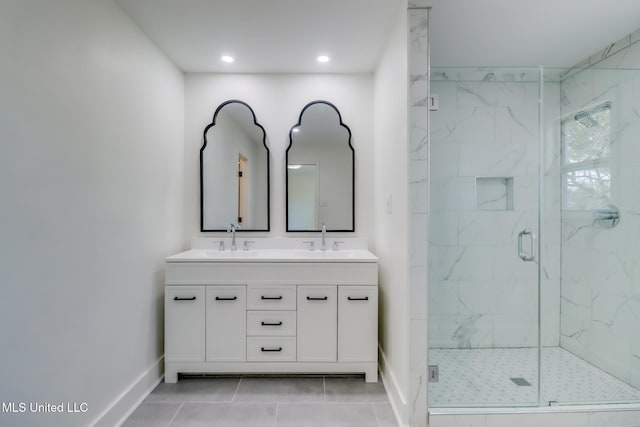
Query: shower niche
494,194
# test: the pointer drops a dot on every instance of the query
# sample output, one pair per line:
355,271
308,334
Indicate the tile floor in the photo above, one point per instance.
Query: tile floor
316,401
482,377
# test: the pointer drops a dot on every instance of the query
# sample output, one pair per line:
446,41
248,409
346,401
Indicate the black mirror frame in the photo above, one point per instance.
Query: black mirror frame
353,171
204,145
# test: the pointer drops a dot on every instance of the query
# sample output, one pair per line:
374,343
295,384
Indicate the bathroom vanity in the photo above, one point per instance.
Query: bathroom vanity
275,308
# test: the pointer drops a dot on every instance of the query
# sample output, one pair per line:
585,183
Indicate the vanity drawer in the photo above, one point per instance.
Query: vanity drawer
271,297
271,349
271,323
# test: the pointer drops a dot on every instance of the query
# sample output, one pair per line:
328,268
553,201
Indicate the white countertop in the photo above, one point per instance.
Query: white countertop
276,249
274,255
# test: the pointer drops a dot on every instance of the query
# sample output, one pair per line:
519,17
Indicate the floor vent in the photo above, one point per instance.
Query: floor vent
519,381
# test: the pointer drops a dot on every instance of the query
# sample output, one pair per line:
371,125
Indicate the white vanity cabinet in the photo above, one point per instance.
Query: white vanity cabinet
274,315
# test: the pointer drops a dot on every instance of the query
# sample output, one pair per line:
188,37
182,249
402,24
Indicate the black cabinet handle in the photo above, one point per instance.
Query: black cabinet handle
271,349
276,298
317,298
358,298
271,324
226,299
184,299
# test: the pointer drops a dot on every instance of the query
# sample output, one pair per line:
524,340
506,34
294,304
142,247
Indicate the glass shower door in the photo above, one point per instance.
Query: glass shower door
483,238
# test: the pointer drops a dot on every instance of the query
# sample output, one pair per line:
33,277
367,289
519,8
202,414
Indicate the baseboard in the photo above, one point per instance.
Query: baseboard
129,399
396,396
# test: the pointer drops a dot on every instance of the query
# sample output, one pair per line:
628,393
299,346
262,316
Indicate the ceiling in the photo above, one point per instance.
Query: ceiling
275,36
268,36
552,33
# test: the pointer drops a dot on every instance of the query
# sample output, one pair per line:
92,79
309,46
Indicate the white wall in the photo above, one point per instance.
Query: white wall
277,101
91,131
390,238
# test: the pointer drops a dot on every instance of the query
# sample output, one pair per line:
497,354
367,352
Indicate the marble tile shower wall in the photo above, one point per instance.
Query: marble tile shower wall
600,296
481,294
418,112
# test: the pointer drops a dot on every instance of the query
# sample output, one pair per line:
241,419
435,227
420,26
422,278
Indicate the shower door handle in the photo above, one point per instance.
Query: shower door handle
531,256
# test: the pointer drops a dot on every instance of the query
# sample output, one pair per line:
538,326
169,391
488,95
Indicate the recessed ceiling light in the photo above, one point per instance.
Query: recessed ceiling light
323,58
227,59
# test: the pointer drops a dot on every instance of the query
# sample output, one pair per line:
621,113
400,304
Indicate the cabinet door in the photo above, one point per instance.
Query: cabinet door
357,323
226,323
317,324
184,323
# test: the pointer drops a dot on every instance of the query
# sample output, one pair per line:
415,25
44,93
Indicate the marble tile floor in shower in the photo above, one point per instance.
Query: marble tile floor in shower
483,377
270,401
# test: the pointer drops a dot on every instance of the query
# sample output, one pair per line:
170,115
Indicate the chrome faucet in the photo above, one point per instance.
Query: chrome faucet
323,245
231,228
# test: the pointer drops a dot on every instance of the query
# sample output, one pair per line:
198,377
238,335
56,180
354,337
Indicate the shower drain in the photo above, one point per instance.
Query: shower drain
519,381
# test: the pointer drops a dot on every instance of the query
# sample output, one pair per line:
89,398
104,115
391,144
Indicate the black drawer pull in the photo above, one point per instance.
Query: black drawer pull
271,349
184,299
317,298
271,324
358,298
276,298
226,298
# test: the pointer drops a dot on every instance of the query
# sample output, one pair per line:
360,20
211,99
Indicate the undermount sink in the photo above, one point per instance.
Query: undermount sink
305,253
231,254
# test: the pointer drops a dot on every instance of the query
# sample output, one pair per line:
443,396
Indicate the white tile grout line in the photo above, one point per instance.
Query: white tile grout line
233,399
275,418
375,414
324,388
175,415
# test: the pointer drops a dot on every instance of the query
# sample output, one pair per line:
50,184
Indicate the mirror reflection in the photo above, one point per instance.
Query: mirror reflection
234,171
320,171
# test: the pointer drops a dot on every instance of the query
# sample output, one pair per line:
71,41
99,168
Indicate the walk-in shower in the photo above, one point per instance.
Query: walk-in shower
534,237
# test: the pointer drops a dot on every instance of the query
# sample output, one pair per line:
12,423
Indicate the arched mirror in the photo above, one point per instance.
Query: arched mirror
320,171
234,171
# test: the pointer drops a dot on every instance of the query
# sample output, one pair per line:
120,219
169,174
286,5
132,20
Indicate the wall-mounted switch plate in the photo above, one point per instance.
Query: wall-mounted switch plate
389,204
434,103
434,374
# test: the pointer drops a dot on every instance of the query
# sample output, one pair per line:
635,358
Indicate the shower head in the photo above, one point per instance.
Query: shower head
586,120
